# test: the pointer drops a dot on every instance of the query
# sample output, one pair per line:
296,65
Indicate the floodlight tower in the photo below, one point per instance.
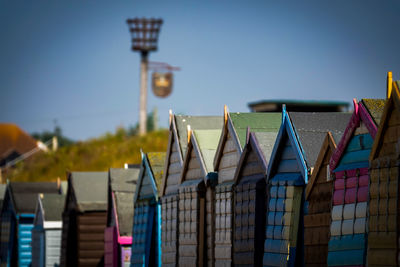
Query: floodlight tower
144,33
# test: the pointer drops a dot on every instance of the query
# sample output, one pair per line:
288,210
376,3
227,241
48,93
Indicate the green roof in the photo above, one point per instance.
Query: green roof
375,108
207,141
258,122
156,161
196,123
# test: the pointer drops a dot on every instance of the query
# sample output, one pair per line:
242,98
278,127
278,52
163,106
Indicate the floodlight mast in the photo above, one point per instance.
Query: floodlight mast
144,33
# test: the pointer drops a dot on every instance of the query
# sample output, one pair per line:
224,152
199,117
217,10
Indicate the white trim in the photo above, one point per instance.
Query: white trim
52,224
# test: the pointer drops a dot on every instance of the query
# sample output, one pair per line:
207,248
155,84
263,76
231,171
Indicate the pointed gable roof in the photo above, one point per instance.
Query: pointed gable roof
52,205
24,195
89,190
392,104
204,144
151,173
369,112
262,144
122,183
236,124
286,129
329,143
178,136
311,129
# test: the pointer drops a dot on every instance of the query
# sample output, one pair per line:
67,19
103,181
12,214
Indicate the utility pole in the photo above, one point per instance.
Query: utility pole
144,33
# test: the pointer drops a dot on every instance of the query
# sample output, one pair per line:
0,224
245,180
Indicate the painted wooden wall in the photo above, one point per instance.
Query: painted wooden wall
383,225
192,215
169,209
110,247
249,213
143,223
24,235
53,247
90,237
349,205
8,225
284,208
317,221
37,247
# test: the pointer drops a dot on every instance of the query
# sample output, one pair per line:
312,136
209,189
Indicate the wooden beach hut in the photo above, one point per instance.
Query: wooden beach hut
349,165
318,199
195,214
84,219
249,197
118,234
46,233
230,147
295,151
146,233
17,220
178,136
383,220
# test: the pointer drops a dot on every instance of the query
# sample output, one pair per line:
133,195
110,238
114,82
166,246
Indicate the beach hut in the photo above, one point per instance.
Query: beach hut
172,170
118,234
318,199
46,233
84,219
193,211
146,232
230,147
249,197
383,220
295,151
349,165
17,220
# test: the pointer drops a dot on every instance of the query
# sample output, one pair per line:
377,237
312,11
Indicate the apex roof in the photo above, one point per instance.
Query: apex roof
90,190
25,194
311,129
53,205
196,123
257,122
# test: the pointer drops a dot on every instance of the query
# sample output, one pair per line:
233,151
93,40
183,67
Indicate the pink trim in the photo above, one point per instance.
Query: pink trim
125,240
368,120
348,133
360,113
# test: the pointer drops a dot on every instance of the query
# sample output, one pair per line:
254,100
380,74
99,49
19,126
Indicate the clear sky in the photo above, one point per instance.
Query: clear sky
71,60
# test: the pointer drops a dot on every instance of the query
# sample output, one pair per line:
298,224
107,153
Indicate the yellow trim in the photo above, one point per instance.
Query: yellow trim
225,114
389,84
189,133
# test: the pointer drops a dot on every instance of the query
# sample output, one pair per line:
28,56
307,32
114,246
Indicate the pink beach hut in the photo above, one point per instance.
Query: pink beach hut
118,234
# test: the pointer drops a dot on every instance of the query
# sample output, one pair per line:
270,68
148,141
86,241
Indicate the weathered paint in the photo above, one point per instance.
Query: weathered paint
349,164
383,222
146,237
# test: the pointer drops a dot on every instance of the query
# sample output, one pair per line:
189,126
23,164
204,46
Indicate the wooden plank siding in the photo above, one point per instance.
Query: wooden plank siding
53,247
169,206
317,221
192,219
249,212
384,208
90,238
285,191
223,239
169,230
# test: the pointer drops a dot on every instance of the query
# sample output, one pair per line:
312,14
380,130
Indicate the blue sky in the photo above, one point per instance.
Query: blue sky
71,60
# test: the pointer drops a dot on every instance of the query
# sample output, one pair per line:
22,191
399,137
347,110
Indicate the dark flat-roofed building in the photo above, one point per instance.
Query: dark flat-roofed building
275,105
